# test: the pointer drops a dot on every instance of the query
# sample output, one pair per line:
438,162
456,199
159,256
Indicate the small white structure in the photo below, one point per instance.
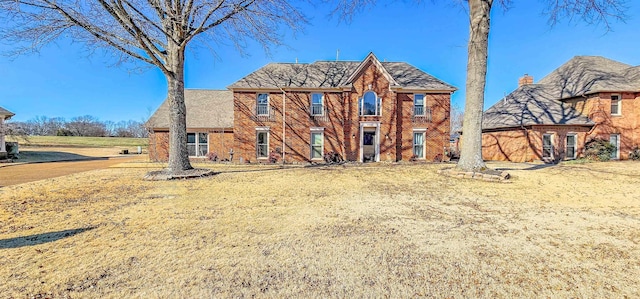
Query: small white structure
4,115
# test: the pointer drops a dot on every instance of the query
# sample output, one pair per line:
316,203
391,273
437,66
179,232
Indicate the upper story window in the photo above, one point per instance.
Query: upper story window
418,105
262,104
317,104
616,108
370,104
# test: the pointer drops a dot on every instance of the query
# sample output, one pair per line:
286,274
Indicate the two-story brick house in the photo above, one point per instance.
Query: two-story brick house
364,111
586,98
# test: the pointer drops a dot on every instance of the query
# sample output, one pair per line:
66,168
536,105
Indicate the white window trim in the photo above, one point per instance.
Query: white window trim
321,103
197,143
263,130
575,145
619,112
424,142
552,155
424,104
268,102
316,130
378,105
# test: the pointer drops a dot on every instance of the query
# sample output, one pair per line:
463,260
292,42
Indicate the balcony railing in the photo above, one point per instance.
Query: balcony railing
421,114
319,113
263,113
317,110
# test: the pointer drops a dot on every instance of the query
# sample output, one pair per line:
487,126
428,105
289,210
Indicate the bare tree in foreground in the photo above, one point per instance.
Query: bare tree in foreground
156,32
591,11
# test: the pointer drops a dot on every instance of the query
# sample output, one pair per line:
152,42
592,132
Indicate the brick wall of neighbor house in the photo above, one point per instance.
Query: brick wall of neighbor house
627,124
510,145
559,137
525,145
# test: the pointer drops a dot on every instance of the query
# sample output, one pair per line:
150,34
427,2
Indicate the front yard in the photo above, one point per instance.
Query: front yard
355,231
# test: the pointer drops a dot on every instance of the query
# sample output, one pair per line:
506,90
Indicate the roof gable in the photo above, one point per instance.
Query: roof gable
370,59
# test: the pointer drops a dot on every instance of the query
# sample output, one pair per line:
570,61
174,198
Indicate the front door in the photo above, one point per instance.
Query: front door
369,148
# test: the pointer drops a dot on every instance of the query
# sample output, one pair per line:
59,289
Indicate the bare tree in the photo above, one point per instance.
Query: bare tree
592,11
156,32
86,126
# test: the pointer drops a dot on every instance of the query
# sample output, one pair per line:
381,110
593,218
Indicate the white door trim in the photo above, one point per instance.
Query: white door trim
370,124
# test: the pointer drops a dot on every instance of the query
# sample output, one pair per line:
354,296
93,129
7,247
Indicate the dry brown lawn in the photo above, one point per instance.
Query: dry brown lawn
371,231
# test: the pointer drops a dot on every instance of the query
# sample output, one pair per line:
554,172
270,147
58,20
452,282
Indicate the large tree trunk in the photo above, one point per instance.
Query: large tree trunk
178,153
471,152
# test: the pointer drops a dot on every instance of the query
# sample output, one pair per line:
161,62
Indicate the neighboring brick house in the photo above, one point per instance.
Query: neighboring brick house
365,111
4,115
586,98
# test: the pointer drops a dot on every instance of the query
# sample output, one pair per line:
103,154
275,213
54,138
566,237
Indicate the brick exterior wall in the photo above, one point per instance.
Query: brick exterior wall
220,141
523,145
341,122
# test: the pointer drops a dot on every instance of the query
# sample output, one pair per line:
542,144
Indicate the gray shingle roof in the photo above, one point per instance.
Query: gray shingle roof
542,103
205,109
589,74
531,105
5,113
333,74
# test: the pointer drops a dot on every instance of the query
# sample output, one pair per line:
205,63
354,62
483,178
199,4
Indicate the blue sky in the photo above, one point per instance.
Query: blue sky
64,81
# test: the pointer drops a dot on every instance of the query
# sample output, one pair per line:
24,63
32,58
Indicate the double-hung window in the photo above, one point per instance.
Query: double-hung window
571,146
262,143
547,146
418,144
615,105
197,144
262,104
317,143
370,104
418,105
317,104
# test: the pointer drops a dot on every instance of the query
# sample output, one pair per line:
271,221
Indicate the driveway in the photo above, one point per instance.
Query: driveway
24,173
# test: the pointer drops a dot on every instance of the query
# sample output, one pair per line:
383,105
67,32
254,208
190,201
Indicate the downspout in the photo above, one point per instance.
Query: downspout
284,121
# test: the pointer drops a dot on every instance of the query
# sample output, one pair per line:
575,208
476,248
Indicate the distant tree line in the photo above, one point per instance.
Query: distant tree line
87,125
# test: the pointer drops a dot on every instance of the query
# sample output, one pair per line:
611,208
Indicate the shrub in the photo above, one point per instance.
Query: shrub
274,156
212,156
599,149
332,157
635,154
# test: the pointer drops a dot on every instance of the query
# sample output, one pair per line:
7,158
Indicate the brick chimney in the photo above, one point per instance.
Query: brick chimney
525,80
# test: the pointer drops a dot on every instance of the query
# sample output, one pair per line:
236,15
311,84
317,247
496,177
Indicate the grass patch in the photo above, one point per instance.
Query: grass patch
325,232
81,141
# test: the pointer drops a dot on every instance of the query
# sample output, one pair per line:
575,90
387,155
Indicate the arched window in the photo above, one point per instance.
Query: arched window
370,104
